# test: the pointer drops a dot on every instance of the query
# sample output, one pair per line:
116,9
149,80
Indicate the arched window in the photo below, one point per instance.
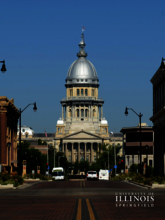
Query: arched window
82,112
77,112
26,135
78,93
86,112
86,92
71,92
93,92
82,92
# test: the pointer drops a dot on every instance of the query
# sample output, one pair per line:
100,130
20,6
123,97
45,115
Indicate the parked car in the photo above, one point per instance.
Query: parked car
92,175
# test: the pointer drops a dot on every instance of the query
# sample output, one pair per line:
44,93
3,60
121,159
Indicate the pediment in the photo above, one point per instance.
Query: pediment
82,135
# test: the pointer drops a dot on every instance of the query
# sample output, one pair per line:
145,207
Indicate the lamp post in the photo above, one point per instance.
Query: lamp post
140,115
128,162
59,160
146,158
3,69
8,145
20,111
114,151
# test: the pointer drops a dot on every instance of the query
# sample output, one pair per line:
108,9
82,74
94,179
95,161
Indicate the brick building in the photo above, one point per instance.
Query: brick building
158,118
9,115
131,144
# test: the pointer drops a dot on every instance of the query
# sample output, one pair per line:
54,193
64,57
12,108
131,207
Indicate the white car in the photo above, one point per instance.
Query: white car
92,175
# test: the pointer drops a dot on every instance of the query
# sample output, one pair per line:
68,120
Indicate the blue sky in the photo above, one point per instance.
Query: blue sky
39,41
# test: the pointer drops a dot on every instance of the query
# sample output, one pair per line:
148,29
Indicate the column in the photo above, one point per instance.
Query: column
78,152
89,111
62,112
72,153
84,111
91,152
85,151
97,150
101,112
66,150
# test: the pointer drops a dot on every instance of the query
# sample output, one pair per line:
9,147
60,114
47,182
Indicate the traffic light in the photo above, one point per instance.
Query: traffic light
119,162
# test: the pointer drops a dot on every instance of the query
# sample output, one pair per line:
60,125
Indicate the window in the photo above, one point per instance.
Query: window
86,92
86,80
77,80
82,92
69,158
86,112
87,157
82,80
77,112
105,130
71,92
94,159
78,93
26,135
93,92
82,112
23,130
150,163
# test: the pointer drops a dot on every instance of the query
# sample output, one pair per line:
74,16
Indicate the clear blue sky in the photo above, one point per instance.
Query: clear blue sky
125,40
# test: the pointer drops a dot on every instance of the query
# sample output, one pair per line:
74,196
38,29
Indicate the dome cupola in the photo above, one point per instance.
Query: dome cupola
82,71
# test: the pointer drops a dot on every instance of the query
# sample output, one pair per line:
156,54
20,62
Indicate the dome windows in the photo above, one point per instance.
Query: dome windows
82,92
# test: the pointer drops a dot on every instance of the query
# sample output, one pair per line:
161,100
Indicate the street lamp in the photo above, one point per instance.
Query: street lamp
114,152
3,69
146,157
8,145
20,112
128,162
140,115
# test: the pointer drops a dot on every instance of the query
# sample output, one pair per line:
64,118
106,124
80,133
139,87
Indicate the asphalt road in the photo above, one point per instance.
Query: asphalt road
82,200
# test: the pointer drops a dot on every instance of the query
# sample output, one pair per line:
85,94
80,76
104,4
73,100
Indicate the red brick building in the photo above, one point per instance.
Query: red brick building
9,115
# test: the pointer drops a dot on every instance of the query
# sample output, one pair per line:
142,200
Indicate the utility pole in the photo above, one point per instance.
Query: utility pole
48,158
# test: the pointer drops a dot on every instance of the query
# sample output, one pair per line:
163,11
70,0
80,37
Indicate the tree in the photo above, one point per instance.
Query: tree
33,158
102,161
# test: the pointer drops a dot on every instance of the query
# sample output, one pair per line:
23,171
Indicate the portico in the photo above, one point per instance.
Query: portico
81,146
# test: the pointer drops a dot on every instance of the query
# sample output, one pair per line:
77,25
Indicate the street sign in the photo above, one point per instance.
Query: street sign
115,166
33,171
48,168
108,171
111,169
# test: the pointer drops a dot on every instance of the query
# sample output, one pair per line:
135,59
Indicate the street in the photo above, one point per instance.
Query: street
78,200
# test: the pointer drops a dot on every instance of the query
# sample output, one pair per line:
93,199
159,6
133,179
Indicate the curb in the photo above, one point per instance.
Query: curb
138,184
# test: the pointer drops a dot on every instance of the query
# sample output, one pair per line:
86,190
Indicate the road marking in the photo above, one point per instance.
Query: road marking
92,217
79,210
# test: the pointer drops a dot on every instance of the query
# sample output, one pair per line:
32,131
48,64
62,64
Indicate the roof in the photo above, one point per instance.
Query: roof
43,135
116,135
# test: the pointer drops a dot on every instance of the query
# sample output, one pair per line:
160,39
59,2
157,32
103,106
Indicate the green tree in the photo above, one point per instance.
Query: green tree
102,161
33,158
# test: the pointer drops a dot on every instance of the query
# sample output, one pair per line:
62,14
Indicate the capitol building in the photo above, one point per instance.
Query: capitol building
82,128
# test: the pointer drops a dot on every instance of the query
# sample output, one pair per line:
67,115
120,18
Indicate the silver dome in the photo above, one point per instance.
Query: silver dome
82,69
